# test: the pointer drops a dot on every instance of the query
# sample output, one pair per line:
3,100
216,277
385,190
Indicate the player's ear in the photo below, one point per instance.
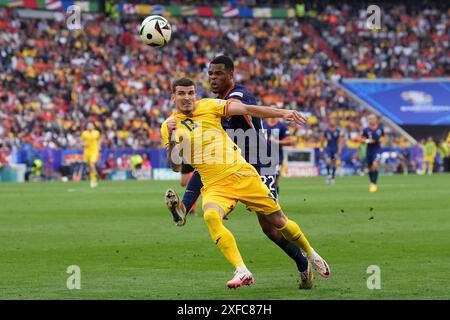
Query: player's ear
231,75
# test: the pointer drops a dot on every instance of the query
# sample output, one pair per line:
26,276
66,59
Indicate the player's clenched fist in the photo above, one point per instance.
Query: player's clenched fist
171,126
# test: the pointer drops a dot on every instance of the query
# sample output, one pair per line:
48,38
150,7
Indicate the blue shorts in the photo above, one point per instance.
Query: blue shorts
269,181
330,153
269,176
373,157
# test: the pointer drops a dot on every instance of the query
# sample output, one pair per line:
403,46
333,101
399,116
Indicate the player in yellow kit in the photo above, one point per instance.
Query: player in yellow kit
429,154
91,147
194,135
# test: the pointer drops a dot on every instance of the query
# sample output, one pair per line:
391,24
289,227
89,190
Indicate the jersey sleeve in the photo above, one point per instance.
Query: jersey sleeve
219,107
237,96
165,135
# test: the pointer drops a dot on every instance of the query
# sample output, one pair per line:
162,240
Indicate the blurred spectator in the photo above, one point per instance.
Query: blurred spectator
146,164
3,158
108,166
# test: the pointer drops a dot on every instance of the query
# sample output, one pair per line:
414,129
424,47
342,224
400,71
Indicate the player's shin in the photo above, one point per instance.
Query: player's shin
223,237
93,176
293,252
288,247
192,191
292,232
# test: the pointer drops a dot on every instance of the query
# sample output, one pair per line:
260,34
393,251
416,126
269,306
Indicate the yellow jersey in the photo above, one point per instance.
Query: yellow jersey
204,143
92,140
430,149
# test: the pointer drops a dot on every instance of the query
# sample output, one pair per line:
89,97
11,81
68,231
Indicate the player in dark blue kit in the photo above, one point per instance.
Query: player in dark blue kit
372,135
278,134
220,72
333,139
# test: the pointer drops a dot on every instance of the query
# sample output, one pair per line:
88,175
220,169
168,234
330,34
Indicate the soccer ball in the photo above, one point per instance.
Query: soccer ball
155,31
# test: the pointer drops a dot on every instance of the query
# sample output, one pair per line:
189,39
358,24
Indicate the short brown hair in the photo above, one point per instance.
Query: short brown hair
182,82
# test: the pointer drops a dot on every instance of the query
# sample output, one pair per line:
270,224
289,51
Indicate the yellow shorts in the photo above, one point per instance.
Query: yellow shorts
428,159
244,186
91,157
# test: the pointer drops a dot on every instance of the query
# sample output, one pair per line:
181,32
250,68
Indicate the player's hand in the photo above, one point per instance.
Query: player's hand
272,139
369,141
171,126
294,115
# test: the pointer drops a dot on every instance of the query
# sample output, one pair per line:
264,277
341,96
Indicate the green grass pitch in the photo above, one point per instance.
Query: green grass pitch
127,247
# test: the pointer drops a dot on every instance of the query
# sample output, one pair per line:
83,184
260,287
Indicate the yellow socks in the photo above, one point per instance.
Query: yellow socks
291,231
93,176
222,237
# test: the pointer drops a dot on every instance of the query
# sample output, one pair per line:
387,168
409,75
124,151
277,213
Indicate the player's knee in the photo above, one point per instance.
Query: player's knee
214,222
272,233
277,220
211,216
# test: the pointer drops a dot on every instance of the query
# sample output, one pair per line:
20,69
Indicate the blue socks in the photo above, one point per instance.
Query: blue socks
294,253
192,191
373,176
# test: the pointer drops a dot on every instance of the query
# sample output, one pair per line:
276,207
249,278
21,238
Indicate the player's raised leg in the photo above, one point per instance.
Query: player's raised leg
180,208
176,207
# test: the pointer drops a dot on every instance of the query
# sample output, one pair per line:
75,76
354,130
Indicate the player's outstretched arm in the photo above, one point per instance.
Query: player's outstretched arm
237,108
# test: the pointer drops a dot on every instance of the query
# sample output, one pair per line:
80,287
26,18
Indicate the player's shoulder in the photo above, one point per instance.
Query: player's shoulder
204,104
240,92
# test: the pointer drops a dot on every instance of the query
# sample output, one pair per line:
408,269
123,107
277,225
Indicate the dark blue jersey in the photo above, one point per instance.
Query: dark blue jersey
332,137
251,140
374,134
279,131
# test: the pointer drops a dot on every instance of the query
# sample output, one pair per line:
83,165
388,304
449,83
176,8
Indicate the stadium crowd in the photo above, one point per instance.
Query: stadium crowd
412,41
54,80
